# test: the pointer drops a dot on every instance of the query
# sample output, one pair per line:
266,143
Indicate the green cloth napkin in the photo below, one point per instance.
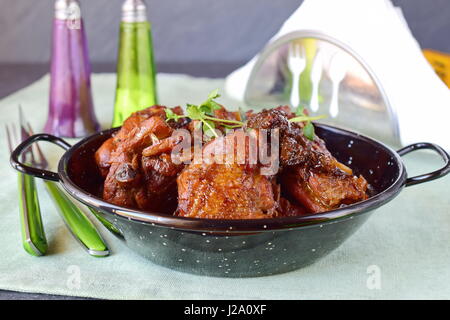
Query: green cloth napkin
402,252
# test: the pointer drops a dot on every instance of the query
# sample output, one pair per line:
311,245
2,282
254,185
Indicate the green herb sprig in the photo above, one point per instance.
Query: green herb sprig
308,128
204,113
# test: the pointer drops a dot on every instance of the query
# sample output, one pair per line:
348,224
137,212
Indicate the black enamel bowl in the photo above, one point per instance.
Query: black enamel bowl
237,248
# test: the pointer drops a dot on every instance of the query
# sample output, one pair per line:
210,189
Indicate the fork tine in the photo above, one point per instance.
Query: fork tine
294,49
14,138
23,131
42,161
8,137
11,134
25,134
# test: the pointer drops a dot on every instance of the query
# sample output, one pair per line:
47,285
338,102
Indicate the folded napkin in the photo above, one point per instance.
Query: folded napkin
378,32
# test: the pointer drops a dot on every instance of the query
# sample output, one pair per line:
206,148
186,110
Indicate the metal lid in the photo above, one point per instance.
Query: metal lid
331,80
67,9
134,11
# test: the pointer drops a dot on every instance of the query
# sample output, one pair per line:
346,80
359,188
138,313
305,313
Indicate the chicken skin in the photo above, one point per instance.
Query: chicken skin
225,190
128,129
309,173
133,179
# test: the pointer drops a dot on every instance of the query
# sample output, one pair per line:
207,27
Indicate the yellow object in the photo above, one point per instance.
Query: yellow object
440,62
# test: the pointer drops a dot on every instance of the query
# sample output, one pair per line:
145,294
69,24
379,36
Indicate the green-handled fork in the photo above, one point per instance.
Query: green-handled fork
33,235
77,222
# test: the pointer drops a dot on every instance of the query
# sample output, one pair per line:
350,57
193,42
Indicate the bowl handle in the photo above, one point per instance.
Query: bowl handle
16,155
427,176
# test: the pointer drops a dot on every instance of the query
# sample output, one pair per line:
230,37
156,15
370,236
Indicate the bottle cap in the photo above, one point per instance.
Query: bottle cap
134,11
67,9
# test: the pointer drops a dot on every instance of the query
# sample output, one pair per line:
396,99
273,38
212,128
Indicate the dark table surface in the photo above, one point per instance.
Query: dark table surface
16,76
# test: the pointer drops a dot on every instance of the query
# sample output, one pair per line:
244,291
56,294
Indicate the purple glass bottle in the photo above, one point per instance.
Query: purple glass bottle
71,111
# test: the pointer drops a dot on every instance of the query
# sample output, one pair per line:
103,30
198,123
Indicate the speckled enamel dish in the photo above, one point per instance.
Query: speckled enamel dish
237,248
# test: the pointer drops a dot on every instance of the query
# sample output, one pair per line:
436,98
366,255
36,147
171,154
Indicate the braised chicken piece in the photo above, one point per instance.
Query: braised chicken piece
219,189
290,208
323,191
103,154
309,173
223,113
136,179
222,191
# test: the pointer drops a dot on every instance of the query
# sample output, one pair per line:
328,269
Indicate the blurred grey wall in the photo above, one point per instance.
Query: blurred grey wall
188,30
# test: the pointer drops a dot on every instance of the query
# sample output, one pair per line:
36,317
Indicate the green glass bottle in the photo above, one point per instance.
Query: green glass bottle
136,81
